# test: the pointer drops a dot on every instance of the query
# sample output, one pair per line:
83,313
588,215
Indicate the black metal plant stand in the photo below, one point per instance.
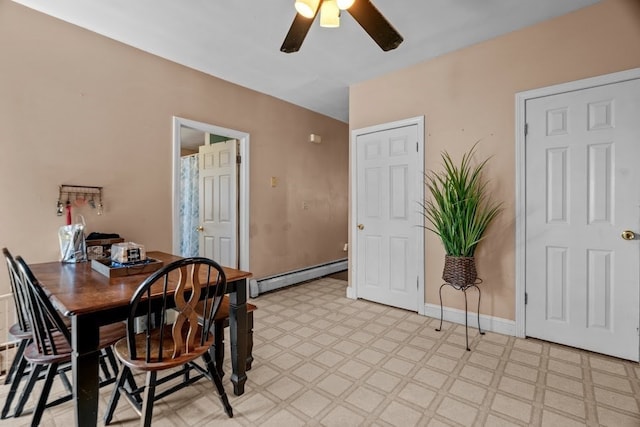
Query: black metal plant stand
463,288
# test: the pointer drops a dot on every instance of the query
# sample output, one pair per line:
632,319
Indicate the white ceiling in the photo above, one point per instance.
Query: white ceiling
239,40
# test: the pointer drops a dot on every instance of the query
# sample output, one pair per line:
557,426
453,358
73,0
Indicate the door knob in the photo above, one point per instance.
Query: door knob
628,235
360,226
200,229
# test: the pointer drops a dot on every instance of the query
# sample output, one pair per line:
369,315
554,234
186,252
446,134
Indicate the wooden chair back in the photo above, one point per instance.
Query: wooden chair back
50,334
20,296
195,280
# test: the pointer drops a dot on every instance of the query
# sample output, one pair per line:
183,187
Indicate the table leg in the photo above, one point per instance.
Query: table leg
238,335
85,336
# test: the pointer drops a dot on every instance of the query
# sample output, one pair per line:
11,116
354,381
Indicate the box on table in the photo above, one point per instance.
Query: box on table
101,248
106,267
128,252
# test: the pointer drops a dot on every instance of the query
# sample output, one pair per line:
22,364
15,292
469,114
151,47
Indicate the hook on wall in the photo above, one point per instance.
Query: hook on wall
80,195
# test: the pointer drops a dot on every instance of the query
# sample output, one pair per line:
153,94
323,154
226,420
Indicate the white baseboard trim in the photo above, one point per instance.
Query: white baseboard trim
260,286
487,323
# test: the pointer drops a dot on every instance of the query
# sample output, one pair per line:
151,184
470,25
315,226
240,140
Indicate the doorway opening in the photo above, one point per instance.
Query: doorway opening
185,134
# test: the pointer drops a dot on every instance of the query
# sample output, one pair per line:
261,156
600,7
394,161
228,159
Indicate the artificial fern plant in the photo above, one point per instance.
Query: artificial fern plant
459,209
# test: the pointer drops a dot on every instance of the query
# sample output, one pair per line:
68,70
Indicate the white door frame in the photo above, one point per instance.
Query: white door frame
352,291
243,185
521,99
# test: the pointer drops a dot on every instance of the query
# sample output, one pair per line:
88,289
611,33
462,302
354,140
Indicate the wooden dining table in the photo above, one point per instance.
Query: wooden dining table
91,300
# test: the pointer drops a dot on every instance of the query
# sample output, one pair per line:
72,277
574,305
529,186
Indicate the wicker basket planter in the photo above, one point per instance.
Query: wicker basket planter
459,271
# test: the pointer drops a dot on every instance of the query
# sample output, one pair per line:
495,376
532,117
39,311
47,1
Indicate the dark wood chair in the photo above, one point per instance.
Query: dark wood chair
169,343
51,346
20,368
21,329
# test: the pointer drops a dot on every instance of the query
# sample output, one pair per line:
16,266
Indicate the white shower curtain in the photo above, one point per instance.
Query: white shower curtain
189,206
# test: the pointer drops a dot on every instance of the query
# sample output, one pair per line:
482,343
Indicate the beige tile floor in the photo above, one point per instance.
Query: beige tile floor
324,360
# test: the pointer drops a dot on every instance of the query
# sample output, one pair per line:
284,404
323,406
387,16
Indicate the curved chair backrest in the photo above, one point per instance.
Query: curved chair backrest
46,323
180,286
20,297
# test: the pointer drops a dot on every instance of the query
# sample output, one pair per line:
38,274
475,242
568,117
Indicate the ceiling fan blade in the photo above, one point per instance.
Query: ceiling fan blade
376,25
297,33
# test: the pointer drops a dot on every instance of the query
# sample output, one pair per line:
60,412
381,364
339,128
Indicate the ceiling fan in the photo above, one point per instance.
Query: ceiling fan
363,11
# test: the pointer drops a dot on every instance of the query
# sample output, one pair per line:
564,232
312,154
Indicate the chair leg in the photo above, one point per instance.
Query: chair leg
249,341
115,394
186,373
16,361
112,360
104,368
149,394
132,387
218,383
26,392
46,389
218,333
22,365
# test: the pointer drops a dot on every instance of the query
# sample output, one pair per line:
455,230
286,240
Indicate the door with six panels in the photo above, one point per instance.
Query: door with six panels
583,218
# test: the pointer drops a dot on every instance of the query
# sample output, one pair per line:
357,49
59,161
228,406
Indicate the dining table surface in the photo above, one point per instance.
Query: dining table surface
92,299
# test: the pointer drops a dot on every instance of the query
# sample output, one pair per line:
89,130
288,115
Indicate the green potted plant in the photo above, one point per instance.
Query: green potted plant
459,211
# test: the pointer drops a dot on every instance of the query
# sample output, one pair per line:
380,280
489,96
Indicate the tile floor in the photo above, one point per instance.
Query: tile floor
324,360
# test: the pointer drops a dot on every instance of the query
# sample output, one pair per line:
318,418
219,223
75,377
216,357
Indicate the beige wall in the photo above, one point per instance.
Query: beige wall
469,95
78,108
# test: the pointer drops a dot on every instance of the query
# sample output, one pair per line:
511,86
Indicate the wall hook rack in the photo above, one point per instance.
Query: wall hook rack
79,195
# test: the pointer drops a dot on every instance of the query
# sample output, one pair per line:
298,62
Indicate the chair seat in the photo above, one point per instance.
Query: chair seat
33,354
109,335
221,321
16,331
122,351
223,311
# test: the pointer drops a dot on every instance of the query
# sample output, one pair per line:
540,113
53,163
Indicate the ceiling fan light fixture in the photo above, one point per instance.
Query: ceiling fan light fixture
329,14
345,4
307,8
364,12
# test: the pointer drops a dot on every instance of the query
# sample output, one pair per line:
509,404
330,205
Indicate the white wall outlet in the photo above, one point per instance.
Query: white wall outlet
345,248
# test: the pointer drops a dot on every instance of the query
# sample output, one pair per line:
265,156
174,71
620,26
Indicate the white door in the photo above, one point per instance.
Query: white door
582,193
218,202
388,248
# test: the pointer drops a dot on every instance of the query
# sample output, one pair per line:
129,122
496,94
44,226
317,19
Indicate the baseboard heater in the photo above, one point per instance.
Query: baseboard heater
266,284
